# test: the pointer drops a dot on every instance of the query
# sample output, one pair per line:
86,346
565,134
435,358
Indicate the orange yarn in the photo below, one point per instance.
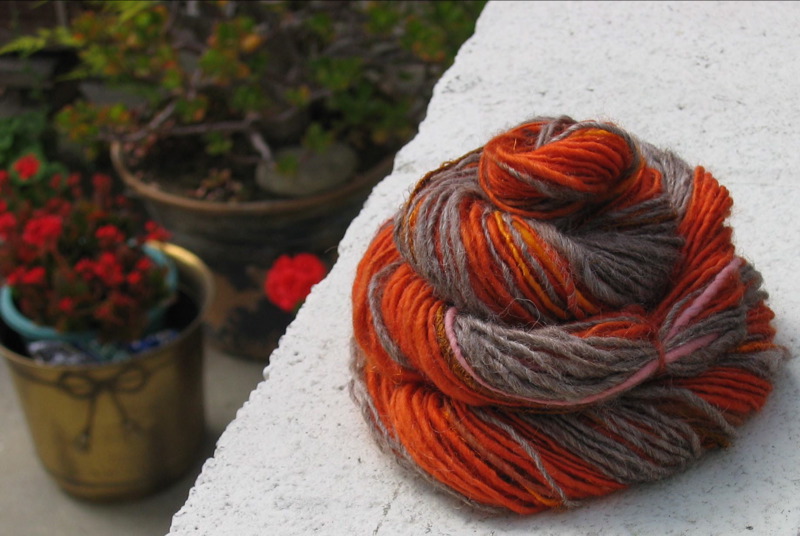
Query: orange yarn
557,316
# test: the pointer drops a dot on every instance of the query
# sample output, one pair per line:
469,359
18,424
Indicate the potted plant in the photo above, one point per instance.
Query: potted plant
100,327
254,129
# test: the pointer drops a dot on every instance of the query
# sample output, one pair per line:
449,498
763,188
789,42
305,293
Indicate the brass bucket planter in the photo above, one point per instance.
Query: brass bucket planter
121,431
240,241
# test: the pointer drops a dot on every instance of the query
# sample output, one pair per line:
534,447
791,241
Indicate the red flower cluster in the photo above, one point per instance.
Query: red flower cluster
35,276
109,235
290,279
155,232
74,260
8,222
26,166
43,231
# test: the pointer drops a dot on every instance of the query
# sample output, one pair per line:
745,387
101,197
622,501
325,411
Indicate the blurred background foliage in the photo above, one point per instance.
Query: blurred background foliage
235,80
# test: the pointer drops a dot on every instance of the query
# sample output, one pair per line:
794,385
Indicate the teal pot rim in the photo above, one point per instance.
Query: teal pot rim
31,331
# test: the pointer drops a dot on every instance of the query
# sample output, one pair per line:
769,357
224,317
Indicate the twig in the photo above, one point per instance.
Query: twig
203,128
261,146
154,123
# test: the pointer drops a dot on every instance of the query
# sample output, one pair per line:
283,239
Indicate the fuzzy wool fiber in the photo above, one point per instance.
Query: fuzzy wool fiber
558,315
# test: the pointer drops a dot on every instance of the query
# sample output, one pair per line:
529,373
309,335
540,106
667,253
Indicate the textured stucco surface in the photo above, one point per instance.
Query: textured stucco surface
717,83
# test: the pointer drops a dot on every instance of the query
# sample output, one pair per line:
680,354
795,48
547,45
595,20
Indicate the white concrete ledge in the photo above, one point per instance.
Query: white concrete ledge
718,83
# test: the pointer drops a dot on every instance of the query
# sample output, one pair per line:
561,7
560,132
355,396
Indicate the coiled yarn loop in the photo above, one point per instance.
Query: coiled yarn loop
557,315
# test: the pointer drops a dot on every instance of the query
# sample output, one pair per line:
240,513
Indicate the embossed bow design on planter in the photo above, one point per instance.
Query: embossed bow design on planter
81,385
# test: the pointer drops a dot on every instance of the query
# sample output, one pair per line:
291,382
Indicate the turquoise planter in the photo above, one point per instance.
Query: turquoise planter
30,331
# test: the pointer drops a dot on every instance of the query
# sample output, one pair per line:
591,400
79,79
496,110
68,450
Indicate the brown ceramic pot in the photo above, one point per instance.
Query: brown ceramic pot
240,241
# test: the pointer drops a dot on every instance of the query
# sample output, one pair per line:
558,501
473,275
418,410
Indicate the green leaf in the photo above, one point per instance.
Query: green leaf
25,45
219,64
127,9
21,133
317,138
191,110
322,25
383,18
287,164
247,98
337,73
225,32
117,113
64,36
172,79
298,96
6,141
217,143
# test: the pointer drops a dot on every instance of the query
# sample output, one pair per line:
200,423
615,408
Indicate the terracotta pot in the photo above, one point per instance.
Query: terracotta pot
240,241
121,430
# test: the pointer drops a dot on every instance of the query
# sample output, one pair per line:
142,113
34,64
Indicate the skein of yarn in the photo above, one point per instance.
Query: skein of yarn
558,315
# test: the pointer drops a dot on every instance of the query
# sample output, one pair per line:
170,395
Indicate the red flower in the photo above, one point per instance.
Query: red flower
85,268
101,183
104,311
56,181
290,279
3,177
42,231
15,276
27,166
156,232
143,264
35,276
74,180
109,235
108,269
8,222
134,278
66,305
